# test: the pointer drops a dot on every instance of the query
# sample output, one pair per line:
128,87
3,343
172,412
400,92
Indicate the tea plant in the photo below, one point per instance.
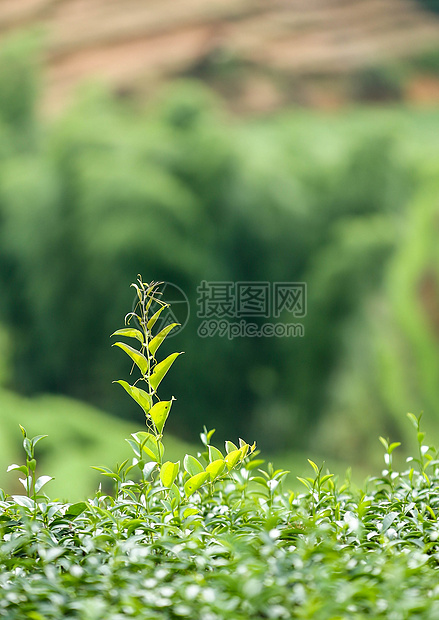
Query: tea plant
148,445
219,538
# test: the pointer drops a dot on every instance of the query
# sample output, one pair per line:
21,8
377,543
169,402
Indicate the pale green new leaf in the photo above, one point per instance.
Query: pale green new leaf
129,332
161,369
214,453
230,446
314,466
42,480
169,472
157,340
138,358
159,413
232,458
175,494
194,483
244,450
192,465
151,445
154,317
21,468
190,512
141,397
216,468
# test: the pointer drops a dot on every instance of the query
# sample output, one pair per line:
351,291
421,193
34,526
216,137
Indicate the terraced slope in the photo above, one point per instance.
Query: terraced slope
253,48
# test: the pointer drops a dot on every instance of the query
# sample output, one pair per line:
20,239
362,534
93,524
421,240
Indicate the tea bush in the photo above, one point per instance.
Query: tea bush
219,537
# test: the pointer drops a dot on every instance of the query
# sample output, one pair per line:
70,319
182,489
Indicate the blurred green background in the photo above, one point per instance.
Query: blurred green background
178,188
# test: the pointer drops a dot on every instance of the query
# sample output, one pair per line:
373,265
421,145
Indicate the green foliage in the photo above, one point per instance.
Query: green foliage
79,435
393,357
240,548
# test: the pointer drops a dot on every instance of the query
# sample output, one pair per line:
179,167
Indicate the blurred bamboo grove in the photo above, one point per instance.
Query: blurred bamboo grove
178,191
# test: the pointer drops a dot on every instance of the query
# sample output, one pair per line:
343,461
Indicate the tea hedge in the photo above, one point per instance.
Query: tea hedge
218,537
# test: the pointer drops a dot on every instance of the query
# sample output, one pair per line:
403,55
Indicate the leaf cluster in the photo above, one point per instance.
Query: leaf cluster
243,548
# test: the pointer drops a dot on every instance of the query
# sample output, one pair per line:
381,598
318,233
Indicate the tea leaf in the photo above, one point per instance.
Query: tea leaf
159,413
151,445
230,446
169,472
216,468
233,457
22,468
195,482
138,358
42,480
214,453
157,340
192,465
129,332
161,369
150,324
141,397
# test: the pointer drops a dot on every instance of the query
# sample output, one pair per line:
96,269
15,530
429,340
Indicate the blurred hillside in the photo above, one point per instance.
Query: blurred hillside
259,55
180,191
137,177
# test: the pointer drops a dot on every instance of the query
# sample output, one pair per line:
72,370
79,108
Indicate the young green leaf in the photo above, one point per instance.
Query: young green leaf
41,481
175,494
151,445
215,468
155,316
14,467
314,466
141,397
138,358
169,472
159,413
414,420
195,482
161,369
384,442
129,332
394,445
192,465
75,510
157,340
233,457
305,482
190,512
36,439
214,453
244,449
230,446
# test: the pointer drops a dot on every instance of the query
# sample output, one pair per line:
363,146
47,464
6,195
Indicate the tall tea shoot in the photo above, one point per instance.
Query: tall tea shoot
151,371
194,473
